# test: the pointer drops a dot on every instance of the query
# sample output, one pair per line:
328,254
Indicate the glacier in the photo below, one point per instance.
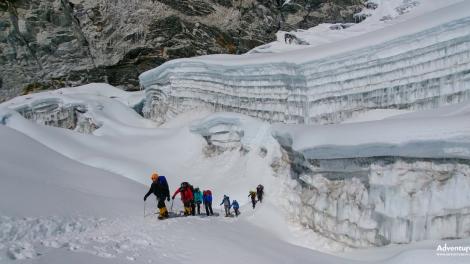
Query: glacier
422,67
402,178
324,177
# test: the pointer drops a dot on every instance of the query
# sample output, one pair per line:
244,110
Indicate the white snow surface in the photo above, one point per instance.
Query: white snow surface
387,13
443,132
68,197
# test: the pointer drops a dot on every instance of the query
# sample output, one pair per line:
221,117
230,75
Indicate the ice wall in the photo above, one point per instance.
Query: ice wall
54,112
395,180
423,70
377,201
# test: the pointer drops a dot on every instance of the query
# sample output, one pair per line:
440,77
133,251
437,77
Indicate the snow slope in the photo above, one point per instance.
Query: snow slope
135,150
56,209
74,202
387,13
31,172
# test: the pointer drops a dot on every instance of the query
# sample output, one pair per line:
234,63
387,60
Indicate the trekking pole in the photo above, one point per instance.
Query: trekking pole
144,209
171,208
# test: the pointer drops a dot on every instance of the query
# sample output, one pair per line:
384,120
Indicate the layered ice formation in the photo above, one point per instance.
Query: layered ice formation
54,112
421,64
397,180
82,109
365,202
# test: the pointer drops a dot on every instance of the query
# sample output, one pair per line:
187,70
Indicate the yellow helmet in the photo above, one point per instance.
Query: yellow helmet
154,176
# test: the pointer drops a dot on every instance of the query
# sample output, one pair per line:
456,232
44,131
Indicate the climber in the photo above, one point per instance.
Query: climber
226,203
192,202
186,197
198,199
207,198
260,192
236,207
160,188
253,198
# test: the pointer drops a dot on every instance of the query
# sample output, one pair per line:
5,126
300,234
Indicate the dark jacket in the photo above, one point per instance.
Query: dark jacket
160,190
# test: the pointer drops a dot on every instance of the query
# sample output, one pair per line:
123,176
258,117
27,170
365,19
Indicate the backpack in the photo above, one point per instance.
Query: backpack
235,204
162,180
208,192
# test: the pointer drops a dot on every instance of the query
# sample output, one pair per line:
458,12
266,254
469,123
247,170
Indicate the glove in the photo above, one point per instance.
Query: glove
172,198
145,198
168,199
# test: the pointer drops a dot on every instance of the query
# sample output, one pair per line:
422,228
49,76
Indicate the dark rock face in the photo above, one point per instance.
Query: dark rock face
56,43
308,13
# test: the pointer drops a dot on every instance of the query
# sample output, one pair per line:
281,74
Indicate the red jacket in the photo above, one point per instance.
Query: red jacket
186,194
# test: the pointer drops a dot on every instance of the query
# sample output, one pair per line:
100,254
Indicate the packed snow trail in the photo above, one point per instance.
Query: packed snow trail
49,212
177,240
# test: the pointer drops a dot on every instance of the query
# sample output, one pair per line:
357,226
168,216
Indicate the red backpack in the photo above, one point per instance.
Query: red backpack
207,192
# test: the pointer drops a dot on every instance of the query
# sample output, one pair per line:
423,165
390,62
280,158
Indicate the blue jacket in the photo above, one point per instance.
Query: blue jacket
207,198
235,205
